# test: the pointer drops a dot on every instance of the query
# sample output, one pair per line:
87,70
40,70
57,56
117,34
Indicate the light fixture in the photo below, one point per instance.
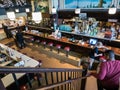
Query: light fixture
11,15
16,10
37,17
54,10
77,10
112,10
27,10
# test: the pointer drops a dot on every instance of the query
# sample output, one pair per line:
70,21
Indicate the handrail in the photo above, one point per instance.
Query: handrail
34,70
61,83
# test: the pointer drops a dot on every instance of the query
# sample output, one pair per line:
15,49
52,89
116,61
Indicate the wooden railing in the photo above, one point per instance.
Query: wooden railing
55,78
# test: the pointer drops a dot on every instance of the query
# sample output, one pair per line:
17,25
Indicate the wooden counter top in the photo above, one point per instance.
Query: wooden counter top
66,40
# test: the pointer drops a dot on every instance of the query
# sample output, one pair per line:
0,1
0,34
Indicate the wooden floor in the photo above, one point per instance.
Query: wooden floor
50,59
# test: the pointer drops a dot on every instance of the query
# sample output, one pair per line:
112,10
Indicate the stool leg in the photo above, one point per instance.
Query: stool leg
50,48
58,51
44,46
66,53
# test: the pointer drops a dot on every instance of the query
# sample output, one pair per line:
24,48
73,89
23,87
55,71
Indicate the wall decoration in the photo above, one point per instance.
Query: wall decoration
87,3
41,5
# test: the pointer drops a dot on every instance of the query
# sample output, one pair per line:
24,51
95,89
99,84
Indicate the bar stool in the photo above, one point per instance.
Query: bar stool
58,46
44,44
37,42
31,41
67,49
50,44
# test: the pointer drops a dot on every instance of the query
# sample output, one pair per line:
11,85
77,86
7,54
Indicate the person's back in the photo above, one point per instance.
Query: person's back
19,37
110,74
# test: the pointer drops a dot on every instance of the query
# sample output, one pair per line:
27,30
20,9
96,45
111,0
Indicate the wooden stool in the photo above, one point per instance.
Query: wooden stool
58,46
67,49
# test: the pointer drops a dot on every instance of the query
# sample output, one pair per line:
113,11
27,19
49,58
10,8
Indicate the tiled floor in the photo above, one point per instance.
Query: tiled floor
51,59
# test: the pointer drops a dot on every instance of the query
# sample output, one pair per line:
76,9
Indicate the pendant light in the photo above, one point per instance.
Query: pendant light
11,15
54,11
112,10
77,10
37,17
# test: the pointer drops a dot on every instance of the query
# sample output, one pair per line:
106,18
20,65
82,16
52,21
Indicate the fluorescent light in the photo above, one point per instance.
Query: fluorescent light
54,10
16,10
27,10
11,15
37,17
112,10
77,11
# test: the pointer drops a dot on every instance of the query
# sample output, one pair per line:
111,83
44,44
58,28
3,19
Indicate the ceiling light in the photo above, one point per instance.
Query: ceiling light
77,11
16,10
27,10
37,17
112,10
11,15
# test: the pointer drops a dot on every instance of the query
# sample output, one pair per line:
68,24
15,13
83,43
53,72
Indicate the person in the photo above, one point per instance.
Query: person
94,53
7,31
20,39
109,73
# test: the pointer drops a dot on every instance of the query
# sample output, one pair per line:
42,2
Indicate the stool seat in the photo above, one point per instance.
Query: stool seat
58,46
43,42
50,44
67,48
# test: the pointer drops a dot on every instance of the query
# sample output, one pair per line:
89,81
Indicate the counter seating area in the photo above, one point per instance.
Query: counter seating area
74,46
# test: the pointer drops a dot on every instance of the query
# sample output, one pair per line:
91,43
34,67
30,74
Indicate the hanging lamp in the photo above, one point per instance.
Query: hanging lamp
54,10
77,10
112,10
37,17
11,15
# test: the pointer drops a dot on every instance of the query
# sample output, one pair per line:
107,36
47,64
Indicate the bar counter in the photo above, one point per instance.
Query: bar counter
75,46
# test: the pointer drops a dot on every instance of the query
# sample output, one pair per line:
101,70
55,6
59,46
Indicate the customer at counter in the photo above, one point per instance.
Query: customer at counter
94,55
109,73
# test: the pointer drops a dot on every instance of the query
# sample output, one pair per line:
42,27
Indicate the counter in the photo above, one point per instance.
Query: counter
75,46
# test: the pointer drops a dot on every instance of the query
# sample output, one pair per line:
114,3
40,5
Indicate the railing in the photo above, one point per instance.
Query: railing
48,78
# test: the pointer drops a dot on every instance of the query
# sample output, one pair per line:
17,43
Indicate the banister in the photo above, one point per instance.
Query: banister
61,83
34,70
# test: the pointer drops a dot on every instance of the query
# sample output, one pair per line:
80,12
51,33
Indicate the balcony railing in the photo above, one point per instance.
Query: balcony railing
47,78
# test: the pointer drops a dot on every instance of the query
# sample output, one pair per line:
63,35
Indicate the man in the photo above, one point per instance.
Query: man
109,73
20,39
94,53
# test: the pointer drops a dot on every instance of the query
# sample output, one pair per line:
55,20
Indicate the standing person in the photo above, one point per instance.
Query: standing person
94,53
109,73
20,39
6,30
